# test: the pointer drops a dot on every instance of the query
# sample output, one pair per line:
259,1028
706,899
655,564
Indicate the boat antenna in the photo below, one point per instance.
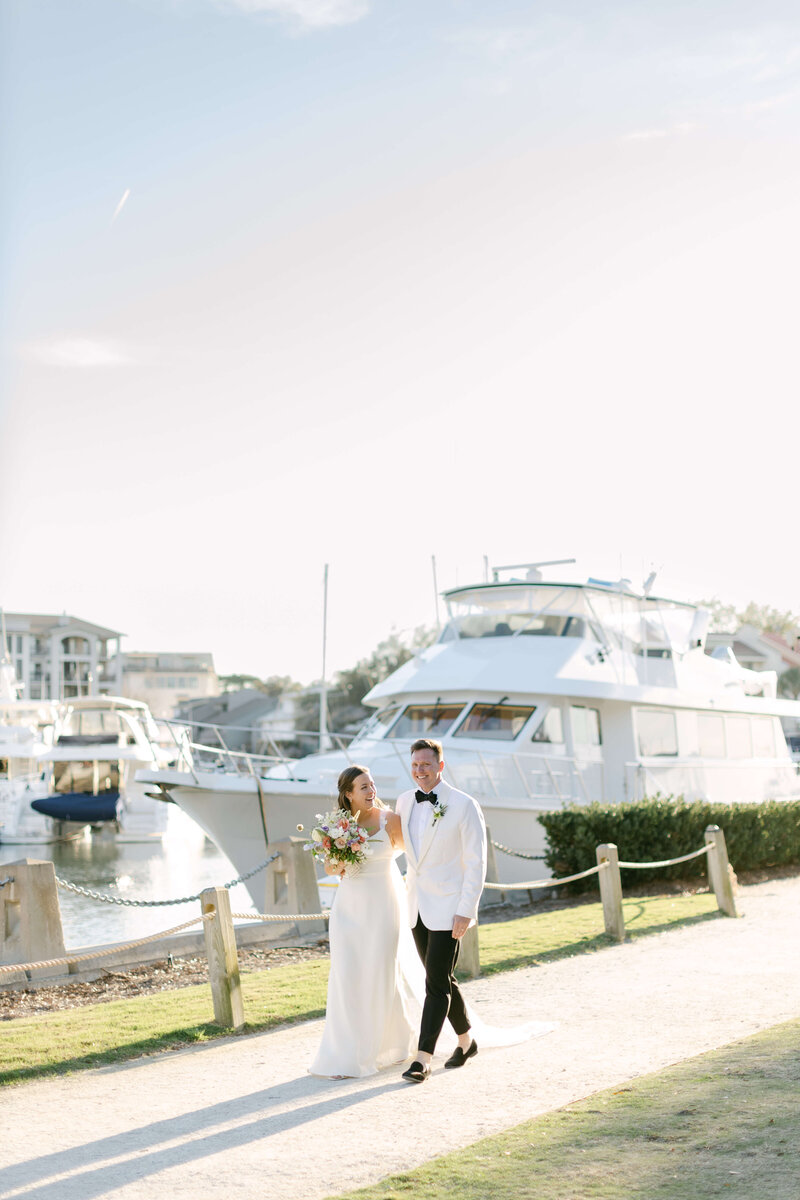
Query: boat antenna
647,586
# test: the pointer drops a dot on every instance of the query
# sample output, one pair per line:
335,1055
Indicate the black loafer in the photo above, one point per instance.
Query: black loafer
417,1073
459,1056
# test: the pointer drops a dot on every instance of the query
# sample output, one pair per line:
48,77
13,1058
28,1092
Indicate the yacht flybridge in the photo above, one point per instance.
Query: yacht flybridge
542,694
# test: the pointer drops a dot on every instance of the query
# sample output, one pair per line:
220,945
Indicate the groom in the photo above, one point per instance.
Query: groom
445,840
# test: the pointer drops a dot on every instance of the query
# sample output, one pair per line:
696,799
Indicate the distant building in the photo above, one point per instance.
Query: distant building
57,657
758,651
232,717
277,728
166,681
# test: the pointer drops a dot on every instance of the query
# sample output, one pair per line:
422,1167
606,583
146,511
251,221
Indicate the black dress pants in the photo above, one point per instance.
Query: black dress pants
438,950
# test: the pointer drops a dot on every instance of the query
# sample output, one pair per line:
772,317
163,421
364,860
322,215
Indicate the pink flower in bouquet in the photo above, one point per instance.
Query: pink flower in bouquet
341,843
326,843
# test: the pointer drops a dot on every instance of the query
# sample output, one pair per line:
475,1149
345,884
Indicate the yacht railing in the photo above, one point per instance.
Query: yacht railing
488,774
534,778
191,754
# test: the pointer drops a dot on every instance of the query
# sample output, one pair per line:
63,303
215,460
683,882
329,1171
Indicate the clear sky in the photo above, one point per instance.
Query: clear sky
290,282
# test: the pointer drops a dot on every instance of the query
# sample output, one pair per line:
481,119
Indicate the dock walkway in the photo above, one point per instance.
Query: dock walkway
240,1118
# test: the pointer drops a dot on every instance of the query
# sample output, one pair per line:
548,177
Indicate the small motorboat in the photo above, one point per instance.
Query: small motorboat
81,807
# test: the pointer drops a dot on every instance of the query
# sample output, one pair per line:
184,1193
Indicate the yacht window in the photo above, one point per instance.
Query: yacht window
80,776
499,721
506,624
585,726
93,721
551,729
381,721
656,732
711,735
763,737
739,742
425,720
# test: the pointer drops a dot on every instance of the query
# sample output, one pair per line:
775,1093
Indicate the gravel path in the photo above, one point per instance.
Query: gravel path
240,1117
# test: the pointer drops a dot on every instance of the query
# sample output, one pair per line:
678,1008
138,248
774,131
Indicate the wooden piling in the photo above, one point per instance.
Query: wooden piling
719,872
611,890
223,963
30,915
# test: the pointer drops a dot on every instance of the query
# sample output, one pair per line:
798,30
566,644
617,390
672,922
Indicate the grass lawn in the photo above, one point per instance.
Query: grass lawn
55,1043
724,1124
578,930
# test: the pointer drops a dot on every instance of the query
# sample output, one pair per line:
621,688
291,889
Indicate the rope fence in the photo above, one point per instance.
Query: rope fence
106,899
320,916
68,959
556,882
544,883
665,862
517,853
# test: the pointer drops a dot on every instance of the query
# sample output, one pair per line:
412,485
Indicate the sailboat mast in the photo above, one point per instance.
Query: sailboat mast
323,691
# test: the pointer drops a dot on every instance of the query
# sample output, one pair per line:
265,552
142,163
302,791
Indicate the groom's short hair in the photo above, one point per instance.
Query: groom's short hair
428,744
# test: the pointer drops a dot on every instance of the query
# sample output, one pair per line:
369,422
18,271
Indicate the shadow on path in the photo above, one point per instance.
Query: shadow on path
96,1180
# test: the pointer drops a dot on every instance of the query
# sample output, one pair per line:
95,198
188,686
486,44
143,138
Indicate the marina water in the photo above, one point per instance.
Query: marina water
182,864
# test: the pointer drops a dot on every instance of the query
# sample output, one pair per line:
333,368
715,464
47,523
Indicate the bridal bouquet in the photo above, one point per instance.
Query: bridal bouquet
338,839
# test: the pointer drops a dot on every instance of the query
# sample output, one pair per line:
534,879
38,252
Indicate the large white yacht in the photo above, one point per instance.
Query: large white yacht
543,694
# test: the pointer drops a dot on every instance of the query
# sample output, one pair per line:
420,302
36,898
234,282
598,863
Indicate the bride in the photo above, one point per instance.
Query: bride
370,1019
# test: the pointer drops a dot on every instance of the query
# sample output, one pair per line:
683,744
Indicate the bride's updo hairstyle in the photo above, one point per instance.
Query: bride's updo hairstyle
346,782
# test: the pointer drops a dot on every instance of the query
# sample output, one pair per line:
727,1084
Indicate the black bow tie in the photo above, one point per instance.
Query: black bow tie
423,796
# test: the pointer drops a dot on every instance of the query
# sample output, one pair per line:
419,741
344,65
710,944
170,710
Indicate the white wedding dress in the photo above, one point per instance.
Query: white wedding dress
371,1019
376,985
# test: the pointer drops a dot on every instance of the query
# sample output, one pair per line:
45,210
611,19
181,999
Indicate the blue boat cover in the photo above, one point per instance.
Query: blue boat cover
78,806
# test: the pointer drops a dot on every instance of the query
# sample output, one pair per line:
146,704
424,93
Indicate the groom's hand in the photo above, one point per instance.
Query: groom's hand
460,926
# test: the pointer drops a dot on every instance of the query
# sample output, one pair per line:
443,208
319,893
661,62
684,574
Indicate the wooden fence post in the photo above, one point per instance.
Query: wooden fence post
469,957
611,890
719,875
291,887
30,915
223,963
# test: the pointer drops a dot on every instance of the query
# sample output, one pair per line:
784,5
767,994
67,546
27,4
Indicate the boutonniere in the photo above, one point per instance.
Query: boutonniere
439,810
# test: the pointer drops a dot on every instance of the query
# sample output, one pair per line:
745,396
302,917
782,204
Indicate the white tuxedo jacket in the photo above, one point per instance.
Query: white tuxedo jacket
446,877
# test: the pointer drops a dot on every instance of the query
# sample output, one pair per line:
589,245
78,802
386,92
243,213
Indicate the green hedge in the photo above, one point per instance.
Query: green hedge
757,835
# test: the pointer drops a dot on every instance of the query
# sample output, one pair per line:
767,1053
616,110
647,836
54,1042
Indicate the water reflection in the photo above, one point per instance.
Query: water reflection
182,865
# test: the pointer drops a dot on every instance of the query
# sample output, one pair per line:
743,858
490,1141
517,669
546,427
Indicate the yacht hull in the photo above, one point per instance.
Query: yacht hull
230,813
